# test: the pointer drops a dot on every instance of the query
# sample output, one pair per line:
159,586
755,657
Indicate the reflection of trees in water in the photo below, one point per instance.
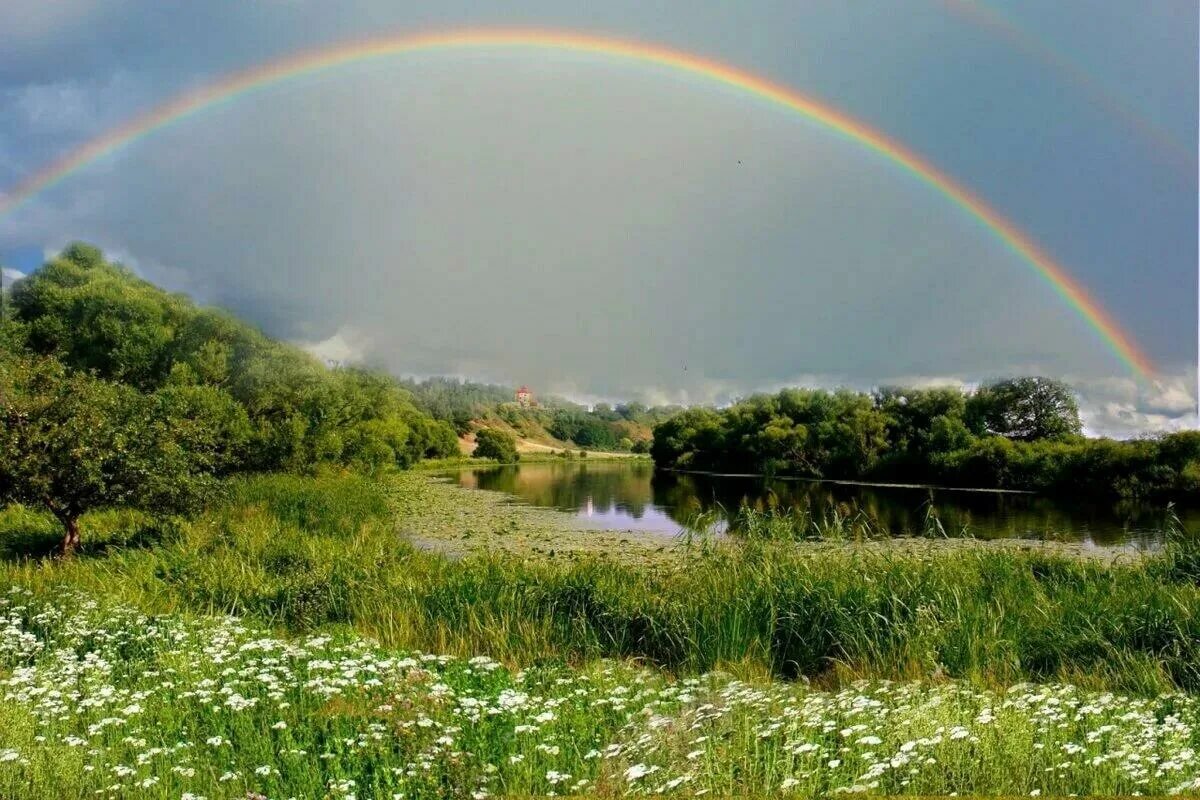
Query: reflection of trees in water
623,487
632,488
903,512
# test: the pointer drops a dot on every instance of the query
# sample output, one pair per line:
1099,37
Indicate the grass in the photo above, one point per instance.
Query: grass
296,557
300,553
173,706
833,522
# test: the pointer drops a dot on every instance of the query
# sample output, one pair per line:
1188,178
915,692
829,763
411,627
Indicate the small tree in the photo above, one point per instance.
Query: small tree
491,443
71,443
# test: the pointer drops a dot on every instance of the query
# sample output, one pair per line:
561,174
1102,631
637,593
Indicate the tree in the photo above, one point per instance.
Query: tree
70,443
492,443
1024,409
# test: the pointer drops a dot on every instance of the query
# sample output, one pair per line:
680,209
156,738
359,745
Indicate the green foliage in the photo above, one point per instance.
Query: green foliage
1026,409
262,405
496,444
202,706
457,401
302,552
461,403
1019,434
71,443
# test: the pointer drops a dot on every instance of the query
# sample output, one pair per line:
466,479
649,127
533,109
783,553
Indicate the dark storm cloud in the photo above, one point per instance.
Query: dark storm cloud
586,225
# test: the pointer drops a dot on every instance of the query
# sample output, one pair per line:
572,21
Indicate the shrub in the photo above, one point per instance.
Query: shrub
492,443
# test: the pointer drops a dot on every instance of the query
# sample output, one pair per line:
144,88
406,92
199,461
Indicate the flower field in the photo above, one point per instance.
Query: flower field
98,699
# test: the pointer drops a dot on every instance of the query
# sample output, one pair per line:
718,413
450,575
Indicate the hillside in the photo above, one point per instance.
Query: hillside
549,423
273,405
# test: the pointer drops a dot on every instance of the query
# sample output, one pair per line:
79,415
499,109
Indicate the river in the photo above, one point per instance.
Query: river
634,496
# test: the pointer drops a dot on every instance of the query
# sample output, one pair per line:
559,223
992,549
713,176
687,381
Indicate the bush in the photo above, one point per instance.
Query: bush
491,443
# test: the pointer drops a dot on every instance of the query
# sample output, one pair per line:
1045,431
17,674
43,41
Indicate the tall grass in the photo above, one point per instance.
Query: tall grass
300,552
1181,554
834,522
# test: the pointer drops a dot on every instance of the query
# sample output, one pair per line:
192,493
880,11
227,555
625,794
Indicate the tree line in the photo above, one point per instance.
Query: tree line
115,392
1021,433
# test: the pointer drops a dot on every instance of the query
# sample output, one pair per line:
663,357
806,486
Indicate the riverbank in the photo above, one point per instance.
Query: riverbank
835,482
547,456
434,513
738,669
524,584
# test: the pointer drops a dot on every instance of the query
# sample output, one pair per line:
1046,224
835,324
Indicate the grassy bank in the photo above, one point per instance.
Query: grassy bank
299,553
171,706
121,673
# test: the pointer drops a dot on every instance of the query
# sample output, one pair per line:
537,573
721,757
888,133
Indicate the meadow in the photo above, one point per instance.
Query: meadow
292,641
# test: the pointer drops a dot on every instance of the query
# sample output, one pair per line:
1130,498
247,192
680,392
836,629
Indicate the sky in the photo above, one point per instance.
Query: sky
613,230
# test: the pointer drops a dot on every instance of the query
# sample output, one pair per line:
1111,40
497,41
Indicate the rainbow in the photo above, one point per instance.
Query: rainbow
1163,143
308,62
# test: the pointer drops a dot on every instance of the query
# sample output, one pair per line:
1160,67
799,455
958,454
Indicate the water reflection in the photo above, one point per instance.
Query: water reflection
623,495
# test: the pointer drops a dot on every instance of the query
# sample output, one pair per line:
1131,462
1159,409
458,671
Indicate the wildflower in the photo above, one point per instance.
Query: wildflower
638,771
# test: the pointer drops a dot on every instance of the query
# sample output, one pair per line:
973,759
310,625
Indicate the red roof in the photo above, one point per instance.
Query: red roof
524,390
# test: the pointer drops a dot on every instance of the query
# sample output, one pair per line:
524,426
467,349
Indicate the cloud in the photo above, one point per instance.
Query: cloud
72,107
604,229
588,225
11,275
345,347
1123,407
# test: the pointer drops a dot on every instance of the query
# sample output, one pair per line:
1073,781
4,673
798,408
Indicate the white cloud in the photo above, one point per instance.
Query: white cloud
347,346
1124,407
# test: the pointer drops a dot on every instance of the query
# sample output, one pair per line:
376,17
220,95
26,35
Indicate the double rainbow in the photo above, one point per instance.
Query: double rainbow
237,84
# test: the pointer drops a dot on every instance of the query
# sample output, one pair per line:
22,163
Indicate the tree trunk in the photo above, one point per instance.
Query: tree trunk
70,536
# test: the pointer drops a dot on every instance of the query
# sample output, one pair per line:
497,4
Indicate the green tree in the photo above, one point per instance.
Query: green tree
1024,409
71,443
497,444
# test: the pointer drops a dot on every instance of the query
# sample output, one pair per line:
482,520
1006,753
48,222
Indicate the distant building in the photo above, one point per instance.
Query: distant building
524,396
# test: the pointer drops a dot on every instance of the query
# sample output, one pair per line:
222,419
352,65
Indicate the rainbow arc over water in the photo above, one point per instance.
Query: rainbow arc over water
307,62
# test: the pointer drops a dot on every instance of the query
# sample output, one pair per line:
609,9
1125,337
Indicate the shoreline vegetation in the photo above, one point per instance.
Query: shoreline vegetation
293,640
302,552
442,516
879,484
221,577
1020,434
